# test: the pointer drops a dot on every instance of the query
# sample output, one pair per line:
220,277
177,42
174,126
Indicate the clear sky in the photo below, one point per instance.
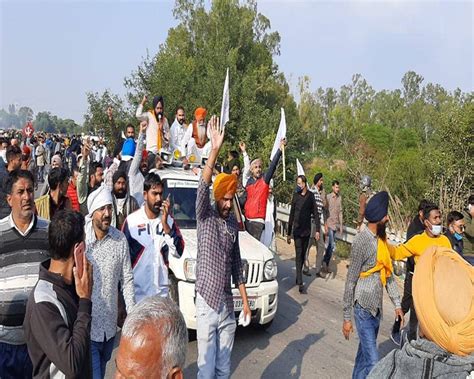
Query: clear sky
52,53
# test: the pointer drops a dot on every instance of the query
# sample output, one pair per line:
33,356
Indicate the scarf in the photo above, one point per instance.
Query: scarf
383,264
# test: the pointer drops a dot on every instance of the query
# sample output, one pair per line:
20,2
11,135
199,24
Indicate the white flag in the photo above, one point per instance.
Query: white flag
225,102
299,168
280,134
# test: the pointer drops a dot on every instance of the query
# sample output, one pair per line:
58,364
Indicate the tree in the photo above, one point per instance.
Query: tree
25,114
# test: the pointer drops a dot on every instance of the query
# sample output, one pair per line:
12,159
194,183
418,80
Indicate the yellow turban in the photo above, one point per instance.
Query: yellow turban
224,183
443,293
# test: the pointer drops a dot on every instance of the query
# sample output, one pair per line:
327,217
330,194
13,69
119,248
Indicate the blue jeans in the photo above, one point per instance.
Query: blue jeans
367,354
15,361
331,246
101,353
215,337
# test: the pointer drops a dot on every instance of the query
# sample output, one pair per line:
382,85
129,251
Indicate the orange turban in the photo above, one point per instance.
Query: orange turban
200,114
224,183
443,293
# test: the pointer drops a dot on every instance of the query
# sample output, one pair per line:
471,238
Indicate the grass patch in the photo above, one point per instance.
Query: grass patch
343,249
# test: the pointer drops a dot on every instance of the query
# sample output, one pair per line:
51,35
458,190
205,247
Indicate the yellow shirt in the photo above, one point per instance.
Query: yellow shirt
417,245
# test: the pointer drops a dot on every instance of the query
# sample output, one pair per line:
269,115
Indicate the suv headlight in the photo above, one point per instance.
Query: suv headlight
270,270
190,270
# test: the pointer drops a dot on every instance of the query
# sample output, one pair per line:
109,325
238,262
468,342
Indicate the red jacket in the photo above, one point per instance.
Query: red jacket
257,192
72,194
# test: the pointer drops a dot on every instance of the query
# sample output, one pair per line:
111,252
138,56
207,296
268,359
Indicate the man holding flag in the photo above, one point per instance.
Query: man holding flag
257,187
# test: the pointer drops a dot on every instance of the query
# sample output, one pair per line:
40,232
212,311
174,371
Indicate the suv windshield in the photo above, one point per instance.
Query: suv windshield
183,202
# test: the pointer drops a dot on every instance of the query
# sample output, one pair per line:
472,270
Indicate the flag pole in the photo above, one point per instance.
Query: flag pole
284,164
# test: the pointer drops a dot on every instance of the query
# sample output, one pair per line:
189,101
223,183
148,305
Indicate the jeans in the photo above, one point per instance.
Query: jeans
15,361
255,229
41,174
301,245
215,337
367,354
101,353
331,246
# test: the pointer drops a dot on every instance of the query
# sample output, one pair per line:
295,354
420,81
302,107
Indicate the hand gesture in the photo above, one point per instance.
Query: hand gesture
165,208
283,143
316,237
86,148
247,311
216,134
145,98
242,146
110,114
399,313
143,126
347,329
83,281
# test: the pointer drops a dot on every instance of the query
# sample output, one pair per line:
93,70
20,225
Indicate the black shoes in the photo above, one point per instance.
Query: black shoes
302,289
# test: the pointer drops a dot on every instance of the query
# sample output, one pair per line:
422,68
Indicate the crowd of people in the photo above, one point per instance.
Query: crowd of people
86,237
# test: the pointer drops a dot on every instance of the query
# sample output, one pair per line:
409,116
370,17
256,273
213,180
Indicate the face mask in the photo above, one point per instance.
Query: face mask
299,189
458,236
436,229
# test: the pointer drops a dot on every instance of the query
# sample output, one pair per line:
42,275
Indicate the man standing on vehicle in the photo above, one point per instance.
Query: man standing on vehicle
218,257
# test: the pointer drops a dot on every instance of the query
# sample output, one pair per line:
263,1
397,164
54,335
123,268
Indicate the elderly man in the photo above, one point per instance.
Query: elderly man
107,251
445,348
218,258
23,246
257,189
152,235
370,270
154,341
196,142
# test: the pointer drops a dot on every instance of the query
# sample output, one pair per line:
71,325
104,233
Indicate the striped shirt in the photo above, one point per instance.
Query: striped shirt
20,255
218,255
368,292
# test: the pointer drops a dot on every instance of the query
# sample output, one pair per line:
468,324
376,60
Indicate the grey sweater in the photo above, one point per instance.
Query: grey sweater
423,359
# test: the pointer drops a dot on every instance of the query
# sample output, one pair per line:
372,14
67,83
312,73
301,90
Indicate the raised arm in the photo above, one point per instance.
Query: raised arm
273,165
246,171
142,116
137,158
83,176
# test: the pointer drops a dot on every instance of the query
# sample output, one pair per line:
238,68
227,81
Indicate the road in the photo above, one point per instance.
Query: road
305,339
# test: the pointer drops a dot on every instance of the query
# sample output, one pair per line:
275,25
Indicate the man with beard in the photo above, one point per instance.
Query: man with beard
152,236
124,204
177,131
107,251
370,270
195,142
56,200
90,177
23,246
158,135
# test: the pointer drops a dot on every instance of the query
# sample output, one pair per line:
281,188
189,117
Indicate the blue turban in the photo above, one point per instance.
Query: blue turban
377,207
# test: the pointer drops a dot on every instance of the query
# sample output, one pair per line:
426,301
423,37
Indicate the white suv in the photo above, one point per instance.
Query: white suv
260,268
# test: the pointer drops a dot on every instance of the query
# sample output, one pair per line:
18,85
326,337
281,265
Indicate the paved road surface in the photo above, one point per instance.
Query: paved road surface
305,339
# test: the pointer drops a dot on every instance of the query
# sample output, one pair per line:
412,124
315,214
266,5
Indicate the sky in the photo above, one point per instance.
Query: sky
53,52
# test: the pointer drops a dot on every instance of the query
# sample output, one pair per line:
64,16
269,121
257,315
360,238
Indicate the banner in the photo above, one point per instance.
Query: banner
299,168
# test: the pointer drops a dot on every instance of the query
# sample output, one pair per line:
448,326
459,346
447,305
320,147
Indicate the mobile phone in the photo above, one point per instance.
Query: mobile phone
79,258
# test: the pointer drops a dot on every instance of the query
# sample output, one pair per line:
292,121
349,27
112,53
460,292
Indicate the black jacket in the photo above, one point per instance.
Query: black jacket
302,208
456,244
57,328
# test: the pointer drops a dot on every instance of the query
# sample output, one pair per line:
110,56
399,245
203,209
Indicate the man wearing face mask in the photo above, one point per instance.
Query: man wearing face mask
152,235
455,231
417,245
178,130
158,135
369,272
303,209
